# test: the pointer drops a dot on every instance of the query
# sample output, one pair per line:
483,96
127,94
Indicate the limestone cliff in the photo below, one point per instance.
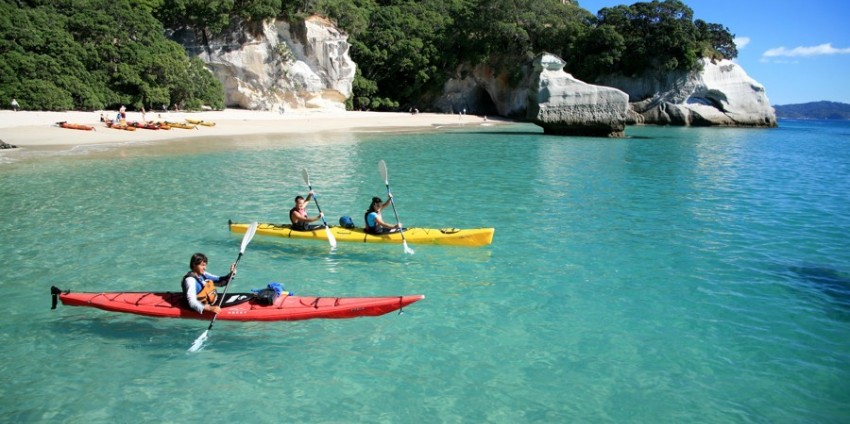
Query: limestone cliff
721,94
486,90
564,105
280,66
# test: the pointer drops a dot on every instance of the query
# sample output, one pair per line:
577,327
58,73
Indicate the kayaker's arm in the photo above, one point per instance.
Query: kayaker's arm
191,293
380,221
318,217
224,280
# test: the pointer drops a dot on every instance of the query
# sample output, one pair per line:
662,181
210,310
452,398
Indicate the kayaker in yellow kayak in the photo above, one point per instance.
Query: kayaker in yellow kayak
374,221
199,285
298,215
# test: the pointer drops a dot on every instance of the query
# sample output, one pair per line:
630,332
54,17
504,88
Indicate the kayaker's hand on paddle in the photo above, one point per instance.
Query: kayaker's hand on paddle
227,278
214,309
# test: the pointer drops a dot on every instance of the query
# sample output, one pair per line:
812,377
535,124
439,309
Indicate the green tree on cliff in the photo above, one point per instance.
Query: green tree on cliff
656,35
94,54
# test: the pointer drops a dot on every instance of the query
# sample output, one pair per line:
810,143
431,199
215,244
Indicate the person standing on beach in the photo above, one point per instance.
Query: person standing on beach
15,104
298,215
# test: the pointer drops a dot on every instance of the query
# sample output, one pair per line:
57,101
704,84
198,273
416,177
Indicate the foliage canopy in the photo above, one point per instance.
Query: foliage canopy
96,54
92,54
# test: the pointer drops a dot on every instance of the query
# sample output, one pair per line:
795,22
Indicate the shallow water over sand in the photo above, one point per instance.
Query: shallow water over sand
678,275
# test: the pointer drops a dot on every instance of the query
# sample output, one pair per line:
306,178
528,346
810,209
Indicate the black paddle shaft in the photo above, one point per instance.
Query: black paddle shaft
229,282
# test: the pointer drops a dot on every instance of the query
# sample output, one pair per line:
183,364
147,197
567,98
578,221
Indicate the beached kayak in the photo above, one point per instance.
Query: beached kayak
243,306
181,125
200,122
120,126
444,236
147,126
73,126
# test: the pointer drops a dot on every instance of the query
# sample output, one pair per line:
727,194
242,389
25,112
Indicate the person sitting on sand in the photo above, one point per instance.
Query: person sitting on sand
374,222
199,285
298,215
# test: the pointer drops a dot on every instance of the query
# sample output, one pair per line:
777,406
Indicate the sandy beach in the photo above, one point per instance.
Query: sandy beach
37,130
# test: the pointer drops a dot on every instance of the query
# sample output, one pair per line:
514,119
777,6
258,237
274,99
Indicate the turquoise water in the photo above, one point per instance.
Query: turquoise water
677,275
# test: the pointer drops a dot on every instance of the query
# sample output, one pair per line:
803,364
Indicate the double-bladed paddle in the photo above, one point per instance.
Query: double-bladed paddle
382,166
249,234
331,238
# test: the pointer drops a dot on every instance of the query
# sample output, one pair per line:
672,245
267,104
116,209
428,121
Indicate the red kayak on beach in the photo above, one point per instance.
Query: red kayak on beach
236,307
144,125
73,126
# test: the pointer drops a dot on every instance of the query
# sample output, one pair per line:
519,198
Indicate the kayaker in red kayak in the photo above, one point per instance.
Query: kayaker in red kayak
199,285
298,215
375,222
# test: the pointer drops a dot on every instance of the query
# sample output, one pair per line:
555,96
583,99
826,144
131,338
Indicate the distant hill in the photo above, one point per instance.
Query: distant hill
813,110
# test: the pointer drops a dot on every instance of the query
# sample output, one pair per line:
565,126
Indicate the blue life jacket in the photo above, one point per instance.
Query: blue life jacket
200,285
371,225
199,282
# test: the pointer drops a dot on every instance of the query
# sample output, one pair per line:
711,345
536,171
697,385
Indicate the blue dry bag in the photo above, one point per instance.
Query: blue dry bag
346,222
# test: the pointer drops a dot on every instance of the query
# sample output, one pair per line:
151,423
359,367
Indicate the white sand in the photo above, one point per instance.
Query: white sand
39,129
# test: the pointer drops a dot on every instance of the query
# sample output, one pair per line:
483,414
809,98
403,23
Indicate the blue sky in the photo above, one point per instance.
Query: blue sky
798,50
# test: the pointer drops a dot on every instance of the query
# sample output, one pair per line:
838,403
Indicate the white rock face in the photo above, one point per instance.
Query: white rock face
722,94
483,91
564,105
306,66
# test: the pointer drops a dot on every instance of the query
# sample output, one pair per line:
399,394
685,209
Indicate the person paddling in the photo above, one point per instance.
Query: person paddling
298,215
374,221
199,285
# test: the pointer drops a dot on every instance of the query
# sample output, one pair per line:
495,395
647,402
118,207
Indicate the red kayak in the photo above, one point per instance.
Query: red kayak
237,307
73,126
144,125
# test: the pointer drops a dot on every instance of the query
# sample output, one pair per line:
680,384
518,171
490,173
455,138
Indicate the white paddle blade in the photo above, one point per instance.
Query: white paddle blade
249,234
331,238
382,166
306,176
199,342
407,248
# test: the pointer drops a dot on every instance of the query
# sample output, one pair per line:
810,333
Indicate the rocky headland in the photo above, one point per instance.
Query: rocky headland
306,66
280,66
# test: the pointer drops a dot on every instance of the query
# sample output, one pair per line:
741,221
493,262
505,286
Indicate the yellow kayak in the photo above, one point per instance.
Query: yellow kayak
443,236
200,122
182,125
